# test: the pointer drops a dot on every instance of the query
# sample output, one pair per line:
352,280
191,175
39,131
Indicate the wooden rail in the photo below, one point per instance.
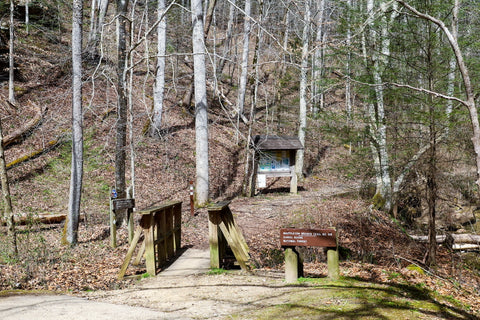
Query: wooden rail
161,227
223,231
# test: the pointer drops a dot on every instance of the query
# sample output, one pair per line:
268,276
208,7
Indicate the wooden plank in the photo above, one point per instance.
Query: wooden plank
235,245
169,239
219,206
113,226
178,226
160,239
150,259
332,263
130,251
239,232
229,226
130,217
291,265
140,254
213,222
158,208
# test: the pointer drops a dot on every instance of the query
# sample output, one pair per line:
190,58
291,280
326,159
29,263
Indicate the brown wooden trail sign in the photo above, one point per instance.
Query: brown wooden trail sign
292,237
117,205
222,231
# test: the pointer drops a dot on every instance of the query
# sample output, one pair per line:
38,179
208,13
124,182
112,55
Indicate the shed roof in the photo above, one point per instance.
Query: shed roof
268,142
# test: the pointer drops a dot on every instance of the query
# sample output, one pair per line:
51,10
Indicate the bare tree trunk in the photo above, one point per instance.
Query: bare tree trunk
249,170
201,107
130,193
378,127
27,16
303,92
453,62
244,64
97,19
348,90
159,87
228,37
77,127
93,20
318,59
11,61
209,16
431,259
7,200
121,129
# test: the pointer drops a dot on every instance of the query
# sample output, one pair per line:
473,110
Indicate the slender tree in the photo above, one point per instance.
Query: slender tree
76,178
27,16
244,63
318,59
303,91
201,108
159,86
98,12
122,104
7,199
228,37
11,60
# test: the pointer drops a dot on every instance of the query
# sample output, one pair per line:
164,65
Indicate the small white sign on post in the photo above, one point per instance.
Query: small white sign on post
262,180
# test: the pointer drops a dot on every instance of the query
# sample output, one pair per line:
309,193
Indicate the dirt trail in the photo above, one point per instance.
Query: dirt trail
202,296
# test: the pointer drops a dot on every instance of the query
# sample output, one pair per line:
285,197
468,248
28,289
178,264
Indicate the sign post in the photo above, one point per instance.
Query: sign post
292,237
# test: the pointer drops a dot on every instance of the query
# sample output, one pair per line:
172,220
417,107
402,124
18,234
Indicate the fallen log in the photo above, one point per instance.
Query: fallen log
457,238
440,238
44,218
466,238
20,134
465,246
35,154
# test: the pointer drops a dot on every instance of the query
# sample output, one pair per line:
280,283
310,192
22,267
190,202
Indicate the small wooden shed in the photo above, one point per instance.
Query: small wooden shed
275,157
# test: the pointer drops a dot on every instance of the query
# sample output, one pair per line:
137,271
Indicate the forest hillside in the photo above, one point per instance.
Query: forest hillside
356,138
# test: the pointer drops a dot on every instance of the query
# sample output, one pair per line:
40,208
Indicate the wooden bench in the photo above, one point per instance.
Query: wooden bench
292,237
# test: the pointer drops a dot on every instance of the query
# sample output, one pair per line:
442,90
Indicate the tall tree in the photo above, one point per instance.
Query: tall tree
228,37
76,178
201,107
380,47
7,199
319,57
303,91
244,63
11,60
122,104
27,16
98,12
159,86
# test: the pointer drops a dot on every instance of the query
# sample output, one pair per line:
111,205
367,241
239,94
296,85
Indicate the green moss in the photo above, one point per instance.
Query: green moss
416,268
348,298
378,201
216,271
